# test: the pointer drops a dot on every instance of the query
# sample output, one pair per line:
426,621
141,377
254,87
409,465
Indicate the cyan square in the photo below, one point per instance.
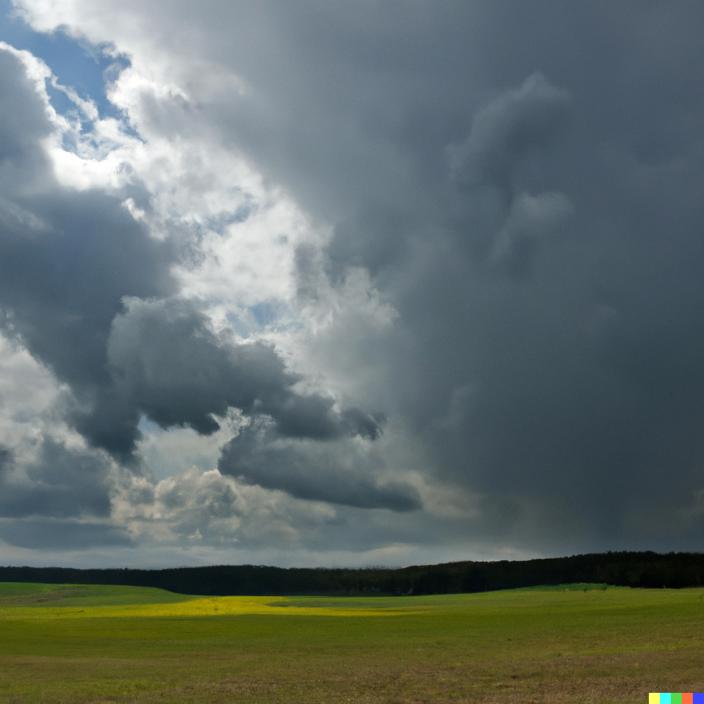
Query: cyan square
665,698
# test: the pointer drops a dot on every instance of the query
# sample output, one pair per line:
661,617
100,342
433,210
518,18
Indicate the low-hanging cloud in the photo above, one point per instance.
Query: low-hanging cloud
71,535
168,364
6,458
59,483
339,473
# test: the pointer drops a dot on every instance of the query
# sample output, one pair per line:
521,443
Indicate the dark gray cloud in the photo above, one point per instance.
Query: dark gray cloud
496,211
47,534
6,459
61,483
523,183
83,286
340,473
529,202
66,260
171,366
512,126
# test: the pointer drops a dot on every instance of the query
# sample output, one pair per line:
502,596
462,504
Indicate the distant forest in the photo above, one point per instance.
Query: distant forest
632,569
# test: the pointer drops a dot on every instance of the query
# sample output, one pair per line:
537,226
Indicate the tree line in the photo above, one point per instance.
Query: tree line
632,569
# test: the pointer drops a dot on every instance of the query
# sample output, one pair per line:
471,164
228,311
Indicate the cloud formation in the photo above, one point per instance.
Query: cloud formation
51,535
67,258
510,272
85,287
59,483
341,473
171,366
5,459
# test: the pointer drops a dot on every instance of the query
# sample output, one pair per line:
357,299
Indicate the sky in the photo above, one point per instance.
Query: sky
331,283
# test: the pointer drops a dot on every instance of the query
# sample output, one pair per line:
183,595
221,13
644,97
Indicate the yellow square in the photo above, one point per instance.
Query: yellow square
654,698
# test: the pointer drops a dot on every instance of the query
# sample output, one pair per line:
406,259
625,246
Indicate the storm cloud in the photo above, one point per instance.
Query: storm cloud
84,286
46,534
509,282
59,483
5,459
338,474
66,257
172,367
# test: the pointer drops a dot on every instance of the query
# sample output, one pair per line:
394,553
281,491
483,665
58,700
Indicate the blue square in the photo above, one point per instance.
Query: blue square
698,698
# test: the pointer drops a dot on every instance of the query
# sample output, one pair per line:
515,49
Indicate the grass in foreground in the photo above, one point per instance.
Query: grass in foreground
73,644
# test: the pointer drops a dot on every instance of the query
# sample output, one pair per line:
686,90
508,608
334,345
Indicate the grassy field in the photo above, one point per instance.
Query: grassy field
74,644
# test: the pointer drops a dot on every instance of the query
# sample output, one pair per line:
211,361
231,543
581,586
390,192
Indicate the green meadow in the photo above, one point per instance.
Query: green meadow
577,643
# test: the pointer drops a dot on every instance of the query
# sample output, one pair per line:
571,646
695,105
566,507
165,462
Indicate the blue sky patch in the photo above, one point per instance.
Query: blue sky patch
75,62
